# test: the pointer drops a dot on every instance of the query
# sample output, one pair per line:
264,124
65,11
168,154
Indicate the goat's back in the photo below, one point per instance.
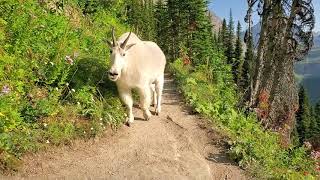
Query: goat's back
145,62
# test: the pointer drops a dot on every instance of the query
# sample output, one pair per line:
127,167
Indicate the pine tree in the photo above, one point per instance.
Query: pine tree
162,25
141,17
230,40
236,68
223,36
316,124
303,116
201,33
246,70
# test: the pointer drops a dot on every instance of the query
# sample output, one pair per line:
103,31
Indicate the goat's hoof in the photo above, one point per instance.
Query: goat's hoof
158,112
147,115
128,124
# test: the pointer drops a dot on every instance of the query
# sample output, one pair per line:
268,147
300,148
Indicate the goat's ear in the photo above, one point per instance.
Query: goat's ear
110,44
129,46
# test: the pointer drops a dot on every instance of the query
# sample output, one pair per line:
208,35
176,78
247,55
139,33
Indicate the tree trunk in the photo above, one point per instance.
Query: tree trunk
274,94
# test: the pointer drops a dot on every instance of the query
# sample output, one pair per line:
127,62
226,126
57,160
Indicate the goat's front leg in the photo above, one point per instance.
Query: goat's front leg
145,100
126,98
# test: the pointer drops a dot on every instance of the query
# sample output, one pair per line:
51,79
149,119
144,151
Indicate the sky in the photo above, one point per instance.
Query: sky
239,7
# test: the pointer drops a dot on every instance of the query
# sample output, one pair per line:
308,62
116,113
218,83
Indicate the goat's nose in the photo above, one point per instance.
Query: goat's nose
113,73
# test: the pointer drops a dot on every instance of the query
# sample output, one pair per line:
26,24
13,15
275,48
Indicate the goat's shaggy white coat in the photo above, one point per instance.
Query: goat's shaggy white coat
140,65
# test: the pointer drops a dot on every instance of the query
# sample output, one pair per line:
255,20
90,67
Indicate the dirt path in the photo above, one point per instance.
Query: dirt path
174,145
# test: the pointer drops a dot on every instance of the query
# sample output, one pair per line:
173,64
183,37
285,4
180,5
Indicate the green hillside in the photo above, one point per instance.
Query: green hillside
53,62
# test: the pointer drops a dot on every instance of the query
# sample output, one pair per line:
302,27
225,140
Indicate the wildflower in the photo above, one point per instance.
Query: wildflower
100,119
92,128
307,145
67,84
51,63
101,124
69,60
84,132
73,90
57,89
47,141
45,124
78,103
75,54
5,89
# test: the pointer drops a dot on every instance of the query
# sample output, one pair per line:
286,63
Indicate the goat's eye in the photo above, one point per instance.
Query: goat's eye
110,51
123,54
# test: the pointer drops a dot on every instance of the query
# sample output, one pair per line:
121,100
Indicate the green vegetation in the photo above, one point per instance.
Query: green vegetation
53,63
207,82
307,119
255,149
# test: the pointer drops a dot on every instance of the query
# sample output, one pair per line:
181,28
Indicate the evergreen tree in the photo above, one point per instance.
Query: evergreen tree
223,34
162,25
201,33
316,124
141,17
246,70
303,116
236,68
230,40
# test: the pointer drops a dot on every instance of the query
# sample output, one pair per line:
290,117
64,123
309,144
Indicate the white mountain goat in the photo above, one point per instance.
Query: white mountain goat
137,64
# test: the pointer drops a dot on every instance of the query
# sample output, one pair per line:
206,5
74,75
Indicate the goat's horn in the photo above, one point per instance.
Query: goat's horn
123,45
113,37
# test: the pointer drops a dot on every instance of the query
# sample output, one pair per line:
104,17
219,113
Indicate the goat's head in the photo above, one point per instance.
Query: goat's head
118,56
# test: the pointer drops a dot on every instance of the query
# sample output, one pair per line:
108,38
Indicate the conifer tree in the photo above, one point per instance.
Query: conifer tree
303,116
246,70
316,124
236,68
224,34
201,33
162,23
230,40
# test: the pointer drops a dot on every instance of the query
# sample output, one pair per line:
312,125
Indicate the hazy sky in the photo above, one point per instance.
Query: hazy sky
222,9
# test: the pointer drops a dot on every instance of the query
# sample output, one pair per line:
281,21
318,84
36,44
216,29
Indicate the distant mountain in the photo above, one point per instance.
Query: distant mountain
216,21
256,34
316,40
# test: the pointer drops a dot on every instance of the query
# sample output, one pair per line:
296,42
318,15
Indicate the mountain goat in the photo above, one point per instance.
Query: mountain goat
137,64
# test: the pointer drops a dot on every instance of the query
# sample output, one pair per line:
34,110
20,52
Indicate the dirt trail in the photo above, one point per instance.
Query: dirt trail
174,145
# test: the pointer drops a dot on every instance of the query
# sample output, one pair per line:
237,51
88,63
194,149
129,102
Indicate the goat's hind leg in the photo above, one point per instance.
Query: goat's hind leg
159,89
